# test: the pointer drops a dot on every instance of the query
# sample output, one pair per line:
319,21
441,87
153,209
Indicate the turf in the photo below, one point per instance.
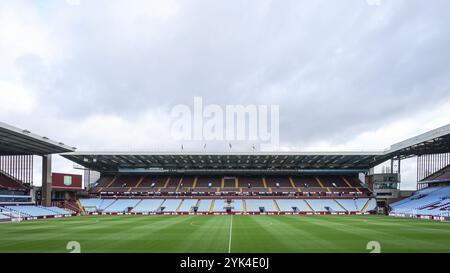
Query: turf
223,234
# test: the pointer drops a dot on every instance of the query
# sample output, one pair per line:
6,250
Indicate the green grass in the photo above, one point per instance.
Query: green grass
221,234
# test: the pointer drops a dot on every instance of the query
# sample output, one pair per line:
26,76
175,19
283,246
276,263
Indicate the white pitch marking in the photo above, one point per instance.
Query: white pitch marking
231,232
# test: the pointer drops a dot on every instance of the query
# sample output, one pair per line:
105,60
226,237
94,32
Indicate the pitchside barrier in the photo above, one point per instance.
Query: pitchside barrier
412,213
228,213
237,197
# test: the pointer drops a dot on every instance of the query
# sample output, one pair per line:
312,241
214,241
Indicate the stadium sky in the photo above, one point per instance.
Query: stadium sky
103,75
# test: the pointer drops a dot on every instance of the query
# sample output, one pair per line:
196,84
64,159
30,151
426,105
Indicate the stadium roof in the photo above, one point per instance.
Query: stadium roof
125,161
15,141
435,141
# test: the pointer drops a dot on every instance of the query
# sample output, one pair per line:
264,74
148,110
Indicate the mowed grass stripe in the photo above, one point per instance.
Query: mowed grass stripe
198,233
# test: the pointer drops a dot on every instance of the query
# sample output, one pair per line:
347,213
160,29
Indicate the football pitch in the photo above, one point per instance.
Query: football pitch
226,234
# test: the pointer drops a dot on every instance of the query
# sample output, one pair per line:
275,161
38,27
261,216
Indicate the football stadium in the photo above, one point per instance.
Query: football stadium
229,202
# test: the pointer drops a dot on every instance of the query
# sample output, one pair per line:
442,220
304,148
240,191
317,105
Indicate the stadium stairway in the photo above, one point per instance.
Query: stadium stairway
293,185
340,205
276,205
72,206
112,203
309,206
179,206
363,210
179,184
264,182
211,208
319,182
195,183
137,204
348,183
198,203
109,184
137,184
166,183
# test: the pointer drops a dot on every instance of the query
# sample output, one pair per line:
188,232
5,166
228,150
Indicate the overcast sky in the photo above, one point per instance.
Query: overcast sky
104,75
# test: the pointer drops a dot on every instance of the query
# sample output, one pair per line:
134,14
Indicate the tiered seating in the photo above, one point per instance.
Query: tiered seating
279,184
150,183
9,183
104,181
430,201
293,205
350,204
361,202
172,184
187,205
121,205
204,205
260,205
15,199
33,211
4,217
237,205
58,211
207,184
220,206
148,205
308,184
440,176
336,184
90,205
325,205
170,205
186,185
229,184
252,184
353,181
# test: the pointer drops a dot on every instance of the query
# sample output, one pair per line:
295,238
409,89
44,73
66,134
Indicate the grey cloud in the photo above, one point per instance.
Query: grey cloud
335,68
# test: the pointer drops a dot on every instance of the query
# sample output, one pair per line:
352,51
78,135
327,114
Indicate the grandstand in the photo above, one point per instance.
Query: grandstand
209,205
188,185
254,183
229,183
230,202
17,148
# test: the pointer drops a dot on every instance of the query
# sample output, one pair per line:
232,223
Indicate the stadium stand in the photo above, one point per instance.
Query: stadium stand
9,183
260,205
237,205
204,205
37,211
325,205
441,175
252,205
293,205
433,201
269,185
187,205
220,206
147,205
350,204
121,205
170,205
